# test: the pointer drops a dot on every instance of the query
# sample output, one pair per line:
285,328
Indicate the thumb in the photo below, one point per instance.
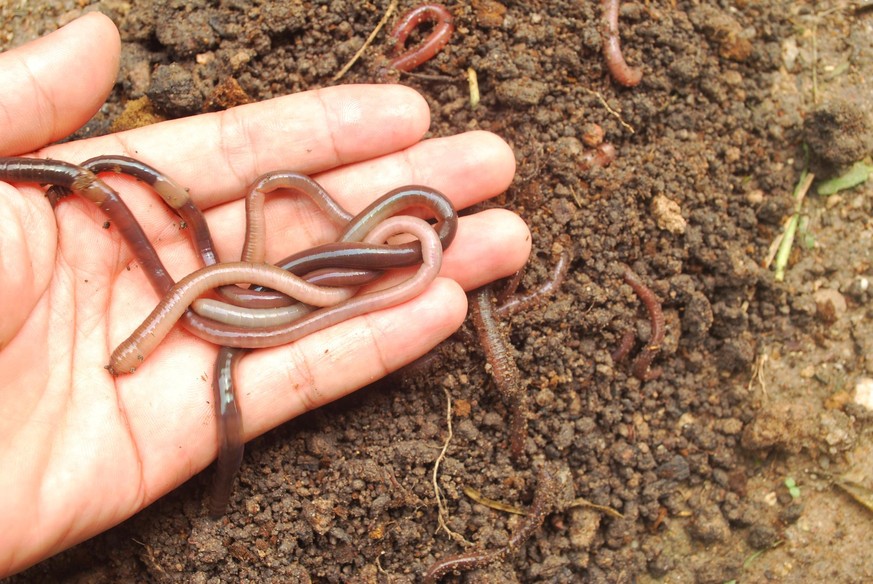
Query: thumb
53,85
41,101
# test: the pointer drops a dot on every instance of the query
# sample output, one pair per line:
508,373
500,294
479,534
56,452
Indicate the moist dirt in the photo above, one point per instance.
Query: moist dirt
728,466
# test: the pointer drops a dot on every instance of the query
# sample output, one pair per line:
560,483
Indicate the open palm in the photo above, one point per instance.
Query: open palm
80,450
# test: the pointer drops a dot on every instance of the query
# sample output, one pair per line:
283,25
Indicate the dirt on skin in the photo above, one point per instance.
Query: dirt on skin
762,381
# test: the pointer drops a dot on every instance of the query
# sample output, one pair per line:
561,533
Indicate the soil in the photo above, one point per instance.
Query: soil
762,382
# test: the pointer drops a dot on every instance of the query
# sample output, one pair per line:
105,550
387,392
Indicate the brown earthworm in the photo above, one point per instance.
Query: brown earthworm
507,377
348,253
621,72
509,303
656,316
127,356
545,500
247,317
254,248
408,59
86,184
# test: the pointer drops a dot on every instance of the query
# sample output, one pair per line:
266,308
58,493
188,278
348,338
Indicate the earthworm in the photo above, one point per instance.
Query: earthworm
624,346
512,304
127,356
176,197
86,184
247,317
621,72
409,59
254,248
545,500
599,157
151,332
494,340
656,316
344,255
231,440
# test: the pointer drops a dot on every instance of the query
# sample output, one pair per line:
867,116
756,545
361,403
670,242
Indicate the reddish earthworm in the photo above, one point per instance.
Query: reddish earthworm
621,72
545,500
408,59
348,253
656,316
247,317
624,346
498,351
127,356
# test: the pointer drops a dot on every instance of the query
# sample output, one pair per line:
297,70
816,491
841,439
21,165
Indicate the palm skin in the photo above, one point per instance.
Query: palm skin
81,450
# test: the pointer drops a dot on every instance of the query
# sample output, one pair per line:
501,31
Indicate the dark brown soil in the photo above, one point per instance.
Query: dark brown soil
759,377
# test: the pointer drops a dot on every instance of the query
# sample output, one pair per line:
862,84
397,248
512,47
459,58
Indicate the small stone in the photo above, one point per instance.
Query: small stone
830,305
864,392
668,215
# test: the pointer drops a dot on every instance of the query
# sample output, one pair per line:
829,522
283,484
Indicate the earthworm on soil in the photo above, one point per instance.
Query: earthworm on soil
621,72
545,500
644,360
509,303
409,59
493,337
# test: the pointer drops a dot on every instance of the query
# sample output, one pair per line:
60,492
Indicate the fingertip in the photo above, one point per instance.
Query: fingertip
43,96
490,245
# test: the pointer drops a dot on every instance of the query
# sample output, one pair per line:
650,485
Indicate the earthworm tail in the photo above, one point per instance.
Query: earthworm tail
231,440
545,500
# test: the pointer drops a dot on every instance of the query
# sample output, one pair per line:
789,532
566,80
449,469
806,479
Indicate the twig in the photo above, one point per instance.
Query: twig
787,242
617,115
391,7
442,510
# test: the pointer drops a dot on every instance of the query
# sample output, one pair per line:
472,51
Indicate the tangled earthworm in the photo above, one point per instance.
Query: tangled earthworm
326,276
619,69
545,500
408,59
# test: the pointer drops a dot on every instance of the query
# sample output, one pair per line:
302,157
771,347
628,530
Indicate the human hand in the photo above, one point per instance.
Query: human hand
80,450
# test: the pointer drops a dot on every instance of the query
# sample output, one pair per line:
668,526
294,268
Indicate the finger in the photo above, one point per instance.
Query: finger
490,245
53,85
468,168
219,155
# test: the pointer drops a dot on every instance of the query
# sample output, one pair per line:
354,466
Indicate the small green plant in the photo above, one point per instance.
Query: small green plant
792,487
